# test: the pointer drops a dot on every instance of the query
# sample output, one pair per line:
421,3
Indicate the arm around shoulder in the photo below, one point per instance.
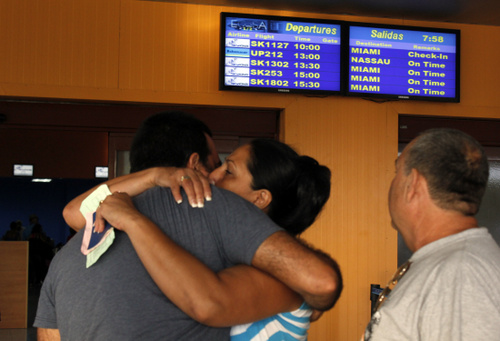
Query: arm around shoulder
135,183
236,295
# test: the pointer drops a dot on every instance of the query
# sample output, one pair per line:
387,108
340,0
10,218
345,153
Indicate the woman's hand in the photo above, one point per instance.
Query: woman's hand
195,184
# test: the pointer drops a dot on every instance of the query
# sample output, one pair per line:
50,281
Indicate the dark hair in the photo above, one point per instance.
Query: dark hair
168,139
299,185
454,165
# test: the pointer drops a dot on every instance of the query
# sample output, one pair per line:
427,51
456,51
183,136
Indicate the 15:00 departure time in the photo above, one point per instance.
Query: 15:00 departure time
306,74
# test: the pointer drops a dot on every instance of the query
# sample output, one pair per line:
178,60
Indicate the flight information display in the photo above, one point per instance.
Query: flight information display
403,63
279,54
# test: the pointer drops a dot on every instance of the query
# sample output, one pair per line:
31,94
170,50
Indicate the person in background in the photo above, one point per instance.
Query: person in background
117,299
33,219
41,252
21,227
14,234
449,289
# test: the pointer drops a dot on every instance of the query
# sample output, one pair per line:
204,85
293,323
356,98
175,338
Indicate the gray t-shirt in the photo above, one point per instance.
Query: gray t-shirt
451,292
116,299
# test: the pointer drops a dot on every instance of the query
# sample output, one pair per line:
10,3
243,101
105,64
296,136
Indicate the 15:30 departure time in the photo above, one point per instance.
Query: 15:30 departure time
303,84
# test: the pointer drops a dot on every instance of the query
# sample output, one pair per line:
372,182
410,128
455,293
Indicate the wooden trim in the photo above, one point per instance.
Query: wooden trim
483,130
13,284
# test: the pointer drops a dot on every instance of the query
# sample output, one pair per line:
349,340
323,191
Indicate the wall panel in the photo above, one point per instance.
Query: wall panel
13,284
57,42
169,48
54,153
161,52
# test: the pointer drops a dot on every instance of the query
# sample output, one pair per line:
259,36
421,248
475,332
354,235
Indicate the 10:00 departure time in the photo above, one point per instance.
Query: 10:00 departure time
284,45
311,47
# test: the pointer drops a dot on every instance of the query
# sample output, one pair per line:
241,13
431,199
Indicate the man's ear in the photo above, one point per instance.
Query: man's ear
193,161
262,199
414,185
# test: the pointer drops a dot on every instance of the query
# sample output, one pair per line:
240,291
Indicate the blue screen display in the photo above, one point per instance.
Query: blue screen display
404,63
280,54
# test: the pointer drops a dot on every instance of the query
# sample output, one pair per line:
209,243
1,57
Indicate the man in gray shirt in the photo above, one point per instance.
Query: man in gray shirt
449,289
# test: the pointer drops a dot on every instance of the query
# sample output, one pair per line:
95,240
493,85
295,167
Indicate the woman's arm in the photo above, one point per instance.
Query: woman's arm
240,294
195,185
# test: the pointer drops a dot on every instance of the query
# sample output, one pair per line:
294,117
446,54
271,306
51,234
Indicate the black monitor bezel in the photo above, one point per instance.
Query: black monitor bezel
344,59
346,65
312,92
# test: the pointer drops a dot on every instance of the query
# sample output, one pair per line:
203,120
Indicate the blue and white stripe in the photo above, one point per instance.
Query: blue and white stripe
289,326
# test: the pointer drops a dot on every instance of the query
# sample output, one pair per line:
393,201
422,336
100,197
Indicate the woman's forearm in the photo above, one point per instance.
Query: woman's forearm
133,184
195,185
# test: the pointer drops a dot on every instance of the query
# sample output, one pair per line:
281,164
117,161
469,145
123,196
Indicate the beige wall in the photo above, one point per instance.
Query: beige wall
141,51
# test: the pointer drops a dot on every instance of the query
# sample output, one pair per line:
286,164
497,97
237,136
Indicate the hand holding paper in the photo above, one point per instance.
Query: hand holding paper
117,210
95,244
114,211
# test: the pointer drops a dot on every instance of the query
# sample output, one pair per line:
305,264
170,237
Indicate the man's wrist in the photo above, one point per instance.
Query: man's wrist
133,222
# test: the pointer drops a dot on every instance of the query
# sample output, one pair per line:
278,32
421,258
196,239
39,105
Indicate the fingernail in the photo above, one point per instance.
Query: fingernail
179,201
208,198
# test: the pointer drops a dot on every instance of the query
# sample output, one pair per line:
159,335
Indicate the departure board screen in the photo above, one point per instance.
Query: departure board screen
403,62
279,54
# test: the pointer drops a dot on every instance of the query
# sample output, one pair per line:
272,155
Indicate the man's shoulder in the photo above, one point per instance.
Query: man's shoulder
229,201
228,195
165,191
225,206
220,197
471,252
154,197
472,246
154,191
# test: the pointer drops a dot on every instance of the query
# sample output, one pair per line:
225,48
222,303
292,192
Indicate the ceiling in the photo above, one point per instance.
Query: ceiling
479,12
